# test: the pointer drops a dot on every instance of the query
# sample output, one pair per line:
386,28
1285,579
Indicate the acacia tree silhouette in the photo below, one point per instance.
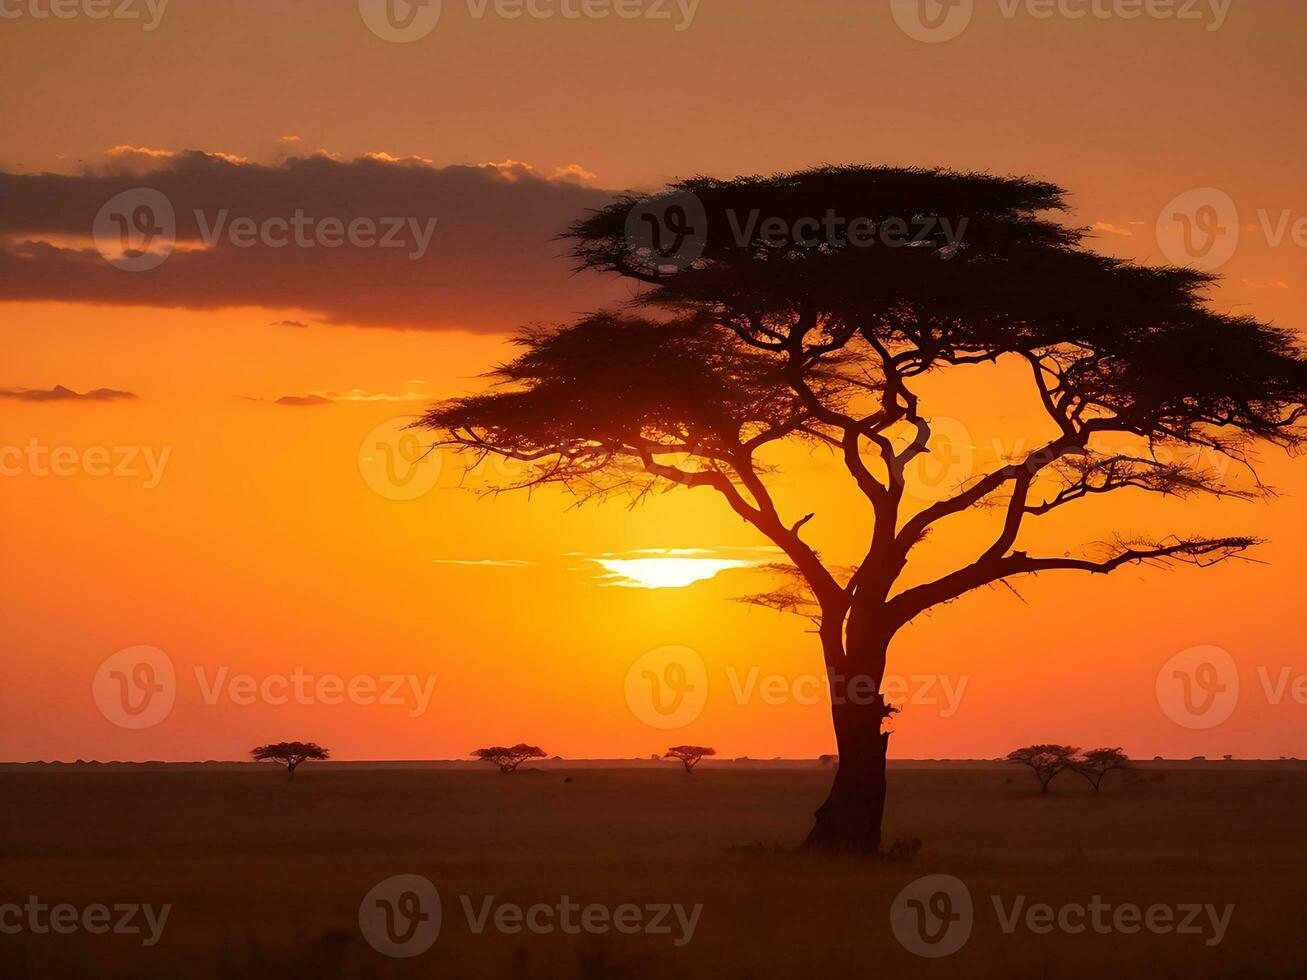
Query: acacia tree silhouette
763,329
1047,760
690,755
1094,764
509,757
289,754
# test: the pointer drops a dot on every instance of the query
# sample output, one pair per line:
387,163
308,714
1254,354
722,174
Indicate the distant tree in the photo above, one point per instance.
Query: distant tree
1046,761
689,754
1097,763
508,758
289,754
828,760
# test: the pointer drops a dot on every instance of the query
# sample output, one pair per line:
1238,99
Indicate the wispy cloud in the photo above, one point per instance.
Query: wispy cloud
353,395
385,157
302,401
574,171
1108,228
363,395
483,562
61,394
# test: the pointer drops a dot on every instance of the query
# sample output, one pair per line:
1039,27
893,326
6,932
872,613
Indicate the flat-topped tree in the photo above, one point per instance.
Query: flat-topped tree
1046,761
763,339
289,754
508,758
1094,764
690,755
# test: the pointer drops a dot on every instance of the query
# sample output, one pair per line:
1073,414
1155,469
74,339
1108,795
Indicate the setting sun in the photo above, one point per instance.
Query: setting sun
664,573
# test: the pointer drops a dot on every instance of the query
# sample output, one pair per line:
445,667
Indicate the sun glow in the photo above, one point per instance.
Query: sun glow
664,573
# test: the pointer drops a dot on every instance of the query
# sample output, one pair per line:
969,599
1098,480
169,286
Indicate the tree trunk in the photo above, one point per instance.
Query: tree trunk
290,770
850,819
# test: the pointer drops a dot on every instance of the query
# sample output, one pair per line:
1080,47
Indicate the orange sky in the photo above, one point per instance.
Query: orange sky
262,547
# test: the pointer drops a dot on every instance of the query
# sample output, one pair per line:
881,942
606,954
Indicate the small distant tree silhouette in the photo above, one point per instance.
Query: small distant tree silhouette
289,754
689,754
1046,761
1097,763
508,758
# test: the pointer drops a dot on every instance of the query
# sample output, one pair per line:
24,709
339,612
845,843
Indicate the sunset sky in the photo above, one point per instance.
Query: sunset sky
251,398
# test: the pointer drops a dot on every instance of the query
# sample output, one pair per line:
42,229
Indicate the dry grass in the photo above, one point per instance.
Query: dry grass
265,878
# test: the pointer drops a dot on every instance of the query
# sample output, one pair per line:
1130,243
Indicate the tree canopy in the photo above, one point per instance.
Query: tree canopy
289,754
689,755
786,336
1046,760
509,757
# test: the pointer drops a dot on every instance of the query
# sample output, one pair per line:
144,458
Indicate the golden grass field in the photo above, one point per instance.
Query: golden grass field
265,878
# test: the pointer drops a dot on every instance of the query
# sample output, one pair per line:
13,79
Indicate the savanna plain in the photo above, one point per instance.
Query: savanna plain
265,876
